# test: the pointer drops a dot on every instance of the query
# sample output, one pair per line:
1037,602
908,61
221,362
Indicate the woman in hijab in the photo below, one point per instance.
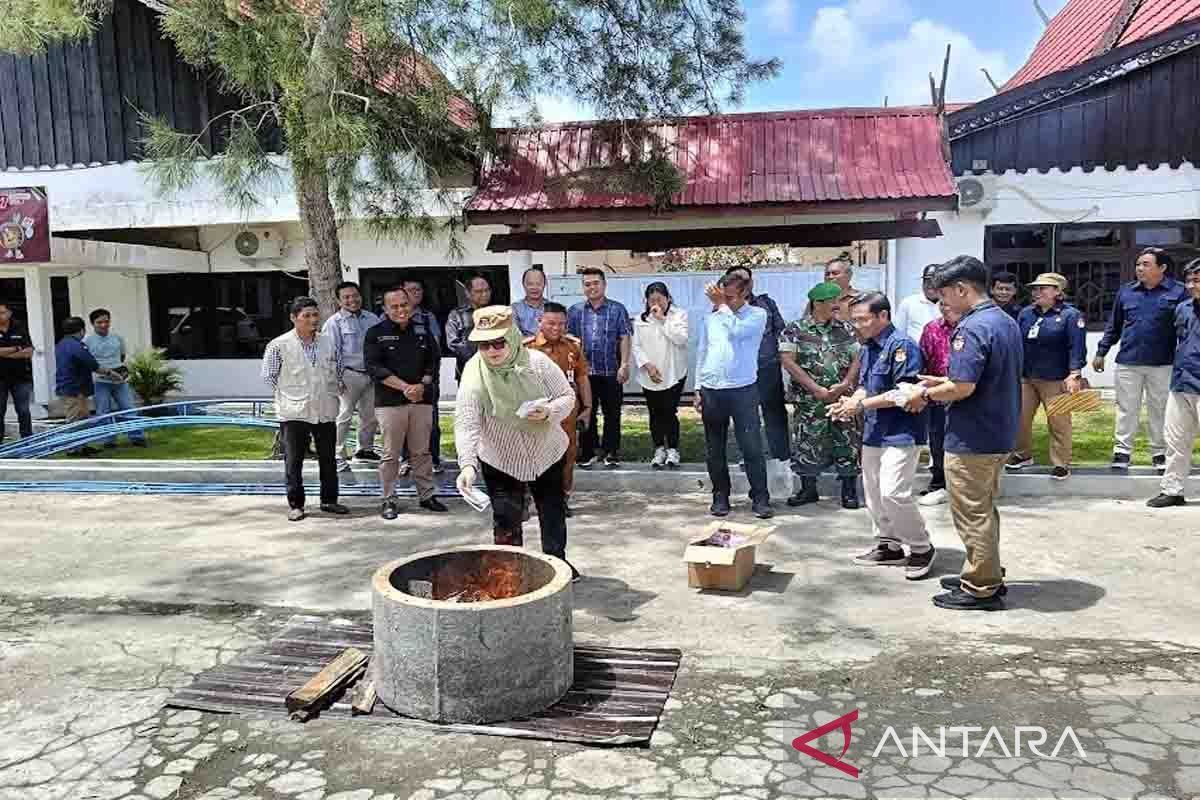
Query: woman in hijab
500,383
660,350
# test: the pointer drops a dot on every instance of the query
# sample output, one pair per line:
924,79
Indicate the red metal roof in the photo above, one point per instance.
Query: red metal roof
787,157
1077,33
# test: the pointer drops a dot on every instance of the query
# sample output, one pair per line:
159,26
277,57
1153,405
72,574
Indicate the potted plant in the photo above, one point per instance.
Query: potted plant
152,376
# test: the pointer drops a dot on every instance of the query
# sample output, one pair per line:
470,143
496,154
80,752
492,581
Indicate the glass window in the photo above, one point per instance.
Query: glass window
1089,236
1168,235
1032,237
223,315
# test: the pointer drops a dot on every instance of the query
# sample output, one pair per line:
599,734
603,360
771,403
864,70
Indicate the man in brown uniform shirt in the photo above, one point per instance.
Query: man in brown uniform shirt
567,352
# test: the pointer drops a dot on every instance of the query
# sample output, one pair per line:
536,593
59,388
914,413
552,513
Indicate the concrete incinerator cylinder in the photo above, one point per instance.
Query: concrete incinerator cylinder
475,662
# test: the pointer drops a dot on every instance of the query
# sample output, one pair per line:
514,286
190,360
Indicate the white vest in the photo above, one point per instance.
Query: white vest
306,392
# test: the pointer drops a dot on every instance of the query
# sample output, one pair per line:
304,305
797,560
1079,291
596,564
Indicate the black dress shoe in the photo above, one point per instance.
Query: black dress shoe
567,512
952,582
719,507
762,509
390,509
807,494
366,455
334,508
433,504
958,600
1166,501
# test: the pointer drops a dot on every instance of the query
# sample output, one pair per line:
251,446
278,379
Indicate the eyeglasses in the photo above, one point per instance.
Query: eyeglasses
494,344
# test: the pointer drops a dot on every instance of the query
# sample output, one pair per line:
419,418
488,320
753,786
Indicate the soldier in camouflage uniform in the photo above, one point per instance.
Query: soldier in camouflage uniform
820,355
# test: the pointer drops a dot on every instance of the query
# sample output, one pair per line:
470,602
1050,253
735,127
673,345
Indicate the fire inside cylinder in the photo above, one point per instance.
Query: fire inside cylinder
495,576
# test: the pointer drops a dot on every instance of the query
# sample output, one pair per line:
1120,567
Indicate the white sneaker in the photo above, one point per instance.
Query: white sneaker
672,458
404,469
935,498
660,458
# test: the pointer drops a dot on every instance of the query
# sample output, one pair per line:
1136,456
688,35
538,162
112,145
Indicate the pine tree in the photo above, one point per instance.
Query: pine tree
383,108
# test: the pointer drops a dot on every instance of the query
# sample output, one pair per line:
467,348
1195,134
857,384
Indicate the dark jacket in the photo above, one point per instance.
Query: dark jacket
410,354
74,365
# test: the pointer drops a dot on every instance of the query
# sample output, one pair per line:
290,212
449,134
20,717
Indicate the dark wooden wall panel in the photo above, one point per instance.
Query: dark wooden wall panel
1148,117
81,103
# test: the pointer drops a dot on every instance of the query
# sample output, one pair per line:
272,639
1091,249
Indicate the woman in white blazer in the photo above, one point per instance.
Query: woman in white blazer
660,350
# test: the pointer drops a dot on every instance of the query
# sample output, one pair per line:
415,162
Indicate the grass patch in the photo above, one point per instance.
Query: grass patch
1092,436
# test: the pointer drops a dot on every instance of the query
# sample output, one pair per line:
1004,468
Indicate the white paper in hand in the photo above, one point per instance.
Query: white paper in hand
476,499
529,406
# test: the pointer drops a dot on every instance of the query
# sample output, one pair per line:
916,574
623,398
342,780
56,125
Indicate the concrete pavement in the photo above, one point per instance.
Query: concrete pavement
106,603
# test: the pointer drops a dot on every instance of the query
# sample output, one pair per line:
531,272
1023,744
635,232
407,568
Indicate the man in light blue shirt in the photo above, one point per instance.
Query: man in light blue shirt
112,392
726,388
348,328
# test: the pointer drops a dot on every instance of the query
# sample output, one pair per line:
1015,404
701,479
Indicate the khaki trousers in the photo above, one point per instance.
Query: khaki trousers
409,423
888,476
359,396
974,483
1036,393
1131,384
570,427
75,408
1180,427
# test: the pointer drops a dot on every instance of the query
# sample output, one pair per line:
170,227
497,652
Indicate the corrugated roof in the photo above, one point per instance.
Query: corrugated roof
1077,33
787,157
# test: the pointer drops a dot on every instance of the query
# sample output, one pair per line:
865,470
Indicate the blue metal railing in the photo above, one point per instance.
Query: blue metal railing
164,415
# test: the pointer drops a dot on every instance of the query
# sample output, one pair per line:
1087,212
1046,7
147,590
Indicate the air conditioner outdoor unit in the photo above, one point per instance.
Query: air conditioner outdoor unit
255,243
976,193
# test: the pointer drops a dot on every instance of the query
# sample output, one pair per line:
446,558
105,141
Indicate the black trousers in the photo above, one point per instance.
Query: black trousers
719,406
508,507
22,393
663,405
774,410
937,451
296,436
607,395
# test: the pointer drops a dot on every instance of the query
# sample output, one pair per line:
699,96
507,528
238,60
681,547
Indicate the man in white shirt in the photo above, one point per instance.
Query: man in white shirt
349,326
918,310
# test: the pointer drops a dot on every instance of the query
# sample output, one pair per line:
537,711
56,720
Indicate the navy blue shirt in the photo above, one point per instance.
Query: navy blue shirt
1185,375
890,359
1013,310
1055,341
768,349
73,368
1143,320
986,351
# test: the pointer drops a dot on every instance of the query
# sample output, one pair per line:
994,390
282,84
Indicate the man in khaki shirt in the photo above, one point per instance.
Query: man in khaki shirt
840,272
567,352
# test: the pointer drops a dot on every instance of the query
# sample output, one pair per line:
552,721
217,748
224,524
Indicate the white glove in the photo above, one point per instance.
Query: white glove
465,480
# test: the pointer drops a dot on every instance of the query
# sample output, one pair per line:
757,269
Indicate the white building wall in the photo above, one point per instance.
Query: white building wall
1074,196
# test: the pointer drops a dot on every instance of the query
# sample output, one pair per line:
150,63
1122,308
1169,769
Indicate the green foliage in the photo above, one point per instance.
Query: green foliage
29,25
709,259
152,376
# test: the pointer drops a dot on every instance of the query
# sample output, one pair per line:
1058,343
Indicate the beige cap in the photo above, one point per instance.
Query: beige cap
491,322
1050,279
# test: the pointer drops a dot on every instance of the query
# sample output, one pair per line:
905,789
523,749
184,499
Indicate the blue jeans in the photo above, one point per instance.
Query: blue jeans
719,407
21,395
113,397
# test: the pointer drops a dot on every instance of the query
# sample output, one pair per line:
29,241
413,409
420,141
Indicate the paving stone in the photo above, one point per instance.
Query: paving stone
297,782
603,769
494,794
960,787
358,794
695,787
1132,766
694,765
315,794
444,784
534,794
1188,780
180,766
512,755
799,789
1105,783
781,700
930,763
201,751
837,787
740,771
476,786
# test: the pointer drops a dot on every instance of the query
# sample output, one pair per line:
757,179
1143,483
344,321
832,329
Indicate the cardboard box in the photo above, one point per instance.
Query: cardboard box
722,555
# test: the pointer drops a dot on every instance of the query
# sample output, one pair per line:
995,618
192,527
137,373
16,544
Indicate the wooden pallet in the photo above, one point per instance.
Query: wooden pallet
617,698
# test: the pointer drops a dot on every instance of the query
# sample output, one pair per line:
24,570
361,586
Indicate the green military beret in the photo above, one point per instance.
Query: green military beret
824,291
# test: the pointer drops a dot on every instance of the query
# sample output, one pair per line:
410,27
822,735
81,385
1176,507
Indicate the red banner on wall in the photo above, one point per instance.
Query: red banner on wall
24,226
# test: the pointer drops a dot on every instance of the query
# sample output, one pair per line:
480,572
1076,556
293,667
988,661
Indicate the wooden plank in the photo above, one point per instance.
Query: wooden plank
27,103
58,98
335,675
10,109
127,85
79,103
45,115
97,132
364,696
144,33
110,89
